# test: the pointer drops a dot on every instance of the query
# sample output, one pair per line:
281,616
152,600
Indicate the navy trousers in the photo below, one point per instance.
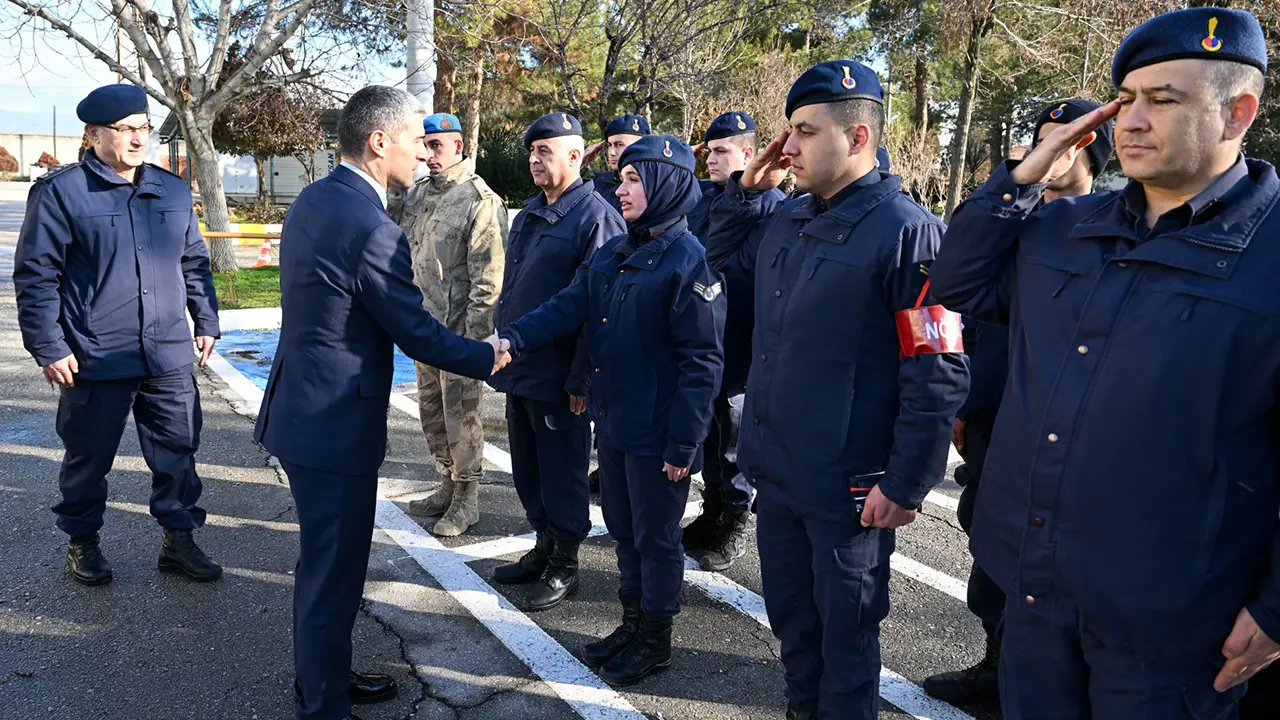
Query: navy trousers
720,471
335,529
642,510
91,420
826,589
550,454
1053,672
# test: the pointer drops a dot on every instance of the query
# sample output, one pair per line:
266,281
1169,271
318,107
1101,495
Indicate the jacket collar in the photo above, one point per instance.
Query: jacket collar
835,224
646,256
455,175
351,179
553,213
148,183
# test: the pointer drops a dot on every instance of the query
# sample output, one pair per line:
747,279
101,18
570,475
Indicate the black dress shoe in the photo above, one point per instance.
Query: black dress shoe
85,562
795,712
180,554
364,689
530,566
649,652
603,650
593,482
558,582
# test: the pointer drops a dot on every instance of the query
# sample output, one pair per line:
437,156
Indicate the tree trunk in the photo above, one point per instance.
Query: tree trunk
199,136
921,119
261,167
471,115
980,24
995,144
611,60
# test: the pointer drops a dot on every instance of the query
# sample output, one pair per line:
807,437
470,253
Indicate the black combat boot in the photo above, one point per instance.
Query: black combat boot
593,482
85,562
701,533
795,712
650,651
731,542
558,582
602,651
180,554
530,566
976,685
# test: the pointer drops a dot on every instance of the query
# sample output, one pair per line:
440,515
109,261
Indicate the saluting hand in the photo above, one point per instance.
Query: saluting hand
592,153
62,372
699,149
881,512
1056,153
674,474
1247,651
769,167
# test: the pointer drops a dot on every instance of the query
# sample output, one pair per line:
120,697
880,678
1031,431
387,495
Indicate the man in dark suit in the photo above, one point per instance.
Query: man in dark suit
347,295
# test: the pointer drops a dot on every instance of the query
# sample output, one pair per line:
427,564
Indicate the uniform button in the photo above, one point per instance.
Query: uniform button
502,302
1030,600
516,261
1007,197
651,262
1222,263
144,292
597,369
1123,264
604,321
755,421
1053,437
1038,522
139,247
1083,349
764,358
777,293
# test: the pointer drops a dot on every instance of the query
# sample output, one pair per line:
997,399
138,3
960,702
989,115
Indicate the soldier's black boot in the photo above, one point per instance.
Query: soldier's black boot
602,651
593,482
530,566
558,582
180,554
978,684
731,542
795,712
85,562
701,533
649,652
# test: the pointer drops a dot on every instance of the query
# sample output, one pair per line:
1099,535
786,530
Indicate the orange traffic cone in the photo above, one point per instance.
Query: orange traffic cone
264,255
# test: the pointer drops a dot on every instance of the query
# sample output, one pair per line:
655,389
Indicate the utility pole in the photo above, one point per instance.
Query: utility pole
420,47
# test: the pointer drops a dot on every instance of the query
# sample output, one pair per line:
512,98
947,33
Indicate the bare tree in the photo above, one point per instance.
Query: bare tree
298,40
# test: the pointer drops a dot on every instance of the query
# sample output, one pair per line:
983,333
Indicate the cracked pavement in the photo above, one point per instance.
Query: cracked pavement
152,646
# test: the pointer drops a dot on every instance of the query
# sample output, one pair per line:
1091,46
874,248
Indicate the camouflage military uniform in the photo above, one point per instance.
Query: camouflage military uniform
457,230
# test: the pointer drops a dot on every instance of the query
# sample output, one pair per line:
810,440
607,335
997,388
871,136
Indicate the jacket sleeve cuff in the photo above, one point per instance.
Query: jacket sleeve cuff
512,335
735,193
208,329
680,456
908,495
51,353
1266,613
1002,196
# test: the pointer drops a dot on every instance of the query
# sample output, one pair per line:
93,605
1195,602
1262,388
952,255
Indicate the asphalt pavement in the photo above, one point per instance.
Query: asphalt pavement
155,646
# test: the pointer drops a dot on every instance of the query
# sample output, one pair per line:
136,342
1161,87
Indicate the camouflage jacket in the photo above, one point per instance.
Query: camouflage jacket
457,230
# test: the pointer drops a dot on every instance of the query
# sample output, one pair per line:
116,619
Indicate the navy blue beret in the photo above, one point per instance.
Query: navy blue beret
1065,111
626,125
441,123
110,103
730,124
556,124
1204,33
834,81
667,149
882,159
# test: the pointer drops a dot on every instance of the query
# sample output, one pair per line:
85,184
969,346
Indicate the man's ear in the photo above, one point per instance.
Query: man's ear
748,152
459,146
1240,115
859,139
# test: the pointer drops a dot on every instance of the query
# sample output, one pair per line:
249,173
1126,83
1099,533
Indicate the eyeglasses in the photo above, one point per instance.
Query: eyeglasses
128,130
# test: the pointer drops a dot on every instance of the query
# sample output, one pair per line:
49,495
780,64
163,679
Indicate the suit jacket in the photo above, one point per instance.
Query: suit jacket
347,295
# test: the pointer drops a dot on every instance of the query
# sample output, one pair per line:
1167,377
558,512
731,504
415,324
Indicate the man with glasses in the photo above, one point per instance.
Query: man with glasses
109,263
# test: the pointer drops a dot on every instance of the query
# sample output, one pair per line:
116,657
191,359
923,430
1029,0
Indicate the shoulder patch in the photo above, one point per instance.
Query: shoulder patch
60,171
708,292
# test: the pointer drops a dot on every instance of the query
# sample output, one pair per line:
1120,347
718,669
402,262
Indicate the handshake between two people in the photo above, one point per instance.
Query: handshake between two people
501,351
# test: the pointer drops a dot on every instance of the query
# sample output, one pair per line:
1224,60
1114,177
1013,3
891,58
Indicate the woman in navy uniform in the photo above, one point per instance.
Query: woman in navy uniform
654,319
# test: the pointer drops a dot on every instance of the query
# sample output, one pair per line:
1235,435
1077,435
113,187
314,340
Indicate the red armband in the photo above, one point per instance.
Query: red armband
928,330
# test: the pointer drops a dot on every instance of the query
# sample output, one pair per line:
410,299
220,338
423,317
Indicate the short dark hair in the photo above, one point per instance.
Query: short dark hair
1229,80
375,107
858,111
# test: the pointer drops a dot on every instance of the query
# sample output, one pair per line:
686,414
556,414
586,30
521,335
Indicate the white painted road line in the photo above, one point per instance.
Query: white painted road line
920,572
941,500
548,659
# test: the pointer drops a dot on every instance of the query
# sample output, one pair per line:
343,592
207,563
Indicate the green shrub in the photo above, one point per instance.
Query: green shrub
258,213
503,162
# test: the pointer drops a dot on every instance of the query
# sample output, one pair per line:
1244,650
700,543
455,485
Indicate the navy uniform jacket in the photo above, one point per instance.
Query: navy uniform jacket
653,318
740,320
828,397
546,246
1132,481
347,294
107,270
605,183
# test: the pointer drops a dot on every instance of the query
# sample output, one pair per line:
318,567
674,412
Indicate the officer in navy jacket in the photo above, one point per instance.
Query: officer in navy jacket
109,264
1130,497
721,534
653,313
548,430
347,298
618,135
855,380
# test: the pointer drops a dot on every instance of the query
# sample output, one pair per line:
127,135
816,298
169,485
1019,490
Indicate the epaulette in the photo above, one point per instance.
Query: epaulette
55,173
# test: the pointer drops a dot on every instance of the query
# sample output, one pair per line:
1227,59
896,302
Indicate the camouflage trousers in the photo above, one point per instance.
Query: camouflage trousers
450,410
